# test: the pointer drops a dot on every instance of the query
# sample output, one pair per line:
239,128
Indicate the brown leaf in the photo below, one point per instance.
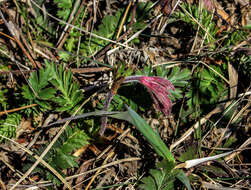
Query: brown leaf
233,80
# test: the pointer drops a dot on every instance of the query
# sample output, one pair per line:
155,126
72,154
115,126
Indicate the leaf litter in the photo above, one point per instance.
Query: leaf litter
201,47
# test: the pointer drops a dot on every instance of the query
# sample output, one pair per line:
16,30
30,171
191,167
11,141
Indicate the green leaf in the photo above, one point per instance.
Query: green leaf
70,95
47,94
184,179
34,81
179,78
152,137
9,125
161,178
3,98
189,154
27,93
64,160
71,140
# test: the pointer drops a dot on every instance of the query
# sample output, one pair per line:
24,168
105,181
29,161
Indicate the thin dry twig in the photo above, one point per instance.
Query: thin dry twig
80,29
17,109
14,32
48,148
105,166
37,158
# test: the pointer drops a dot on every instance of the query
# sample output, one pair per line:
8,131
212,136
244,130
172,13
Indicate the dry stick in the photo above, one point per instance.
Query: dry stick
17,109
245,144
232,120
90,70
14,32
102,52
197,22
66,31
73,70
216,72
36,157
17,172
66,34
123,20
80,36
105,166
166,23
225,112
222,135
198,28
135,35
80,29
110,155
18,65
13,39
205,36
197,33
50,145
196,125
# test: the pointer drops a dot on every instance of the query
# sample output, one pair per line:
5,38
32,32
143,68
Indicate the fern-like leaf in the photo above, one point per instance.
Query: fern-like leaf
9,125
71,140
161,178
38,90
70,94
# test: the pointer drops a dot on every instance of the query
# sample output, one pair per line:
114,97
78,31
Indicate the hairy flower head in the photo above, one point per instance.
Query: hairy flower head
159,88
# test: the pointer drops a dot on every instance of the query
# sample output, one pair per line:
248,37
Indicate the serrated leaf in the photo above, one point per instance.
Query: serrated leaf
179,78
43,78
9,126
189,154
43,104
27,93
65,56
34,81
161,178
75,141
47,93
64,160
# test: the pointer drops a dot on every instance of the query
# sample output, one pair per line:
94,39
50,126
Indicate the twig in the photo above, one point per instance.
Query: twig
17,109
123,20
196,125
105,166
101,53
110,155
36,157
73,70
14,32
135,35
47,150
66,31
66,34
80,29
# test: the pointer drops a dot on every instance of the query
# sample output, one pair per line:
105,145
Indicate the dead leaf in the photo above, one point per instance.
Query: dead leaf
233,80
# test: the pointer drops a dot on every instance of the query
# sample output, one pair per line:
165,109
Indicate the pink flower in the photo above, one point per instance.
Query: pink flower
209,5
159,88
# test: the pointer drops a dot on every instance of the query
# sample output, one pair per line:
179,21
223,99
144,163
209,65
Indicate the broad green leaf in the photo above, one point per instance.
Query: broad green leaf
152,137
184,179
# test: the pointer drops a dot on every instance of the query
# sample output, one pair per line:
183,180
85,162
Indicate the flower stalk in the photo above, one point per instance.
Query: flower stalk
158,87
